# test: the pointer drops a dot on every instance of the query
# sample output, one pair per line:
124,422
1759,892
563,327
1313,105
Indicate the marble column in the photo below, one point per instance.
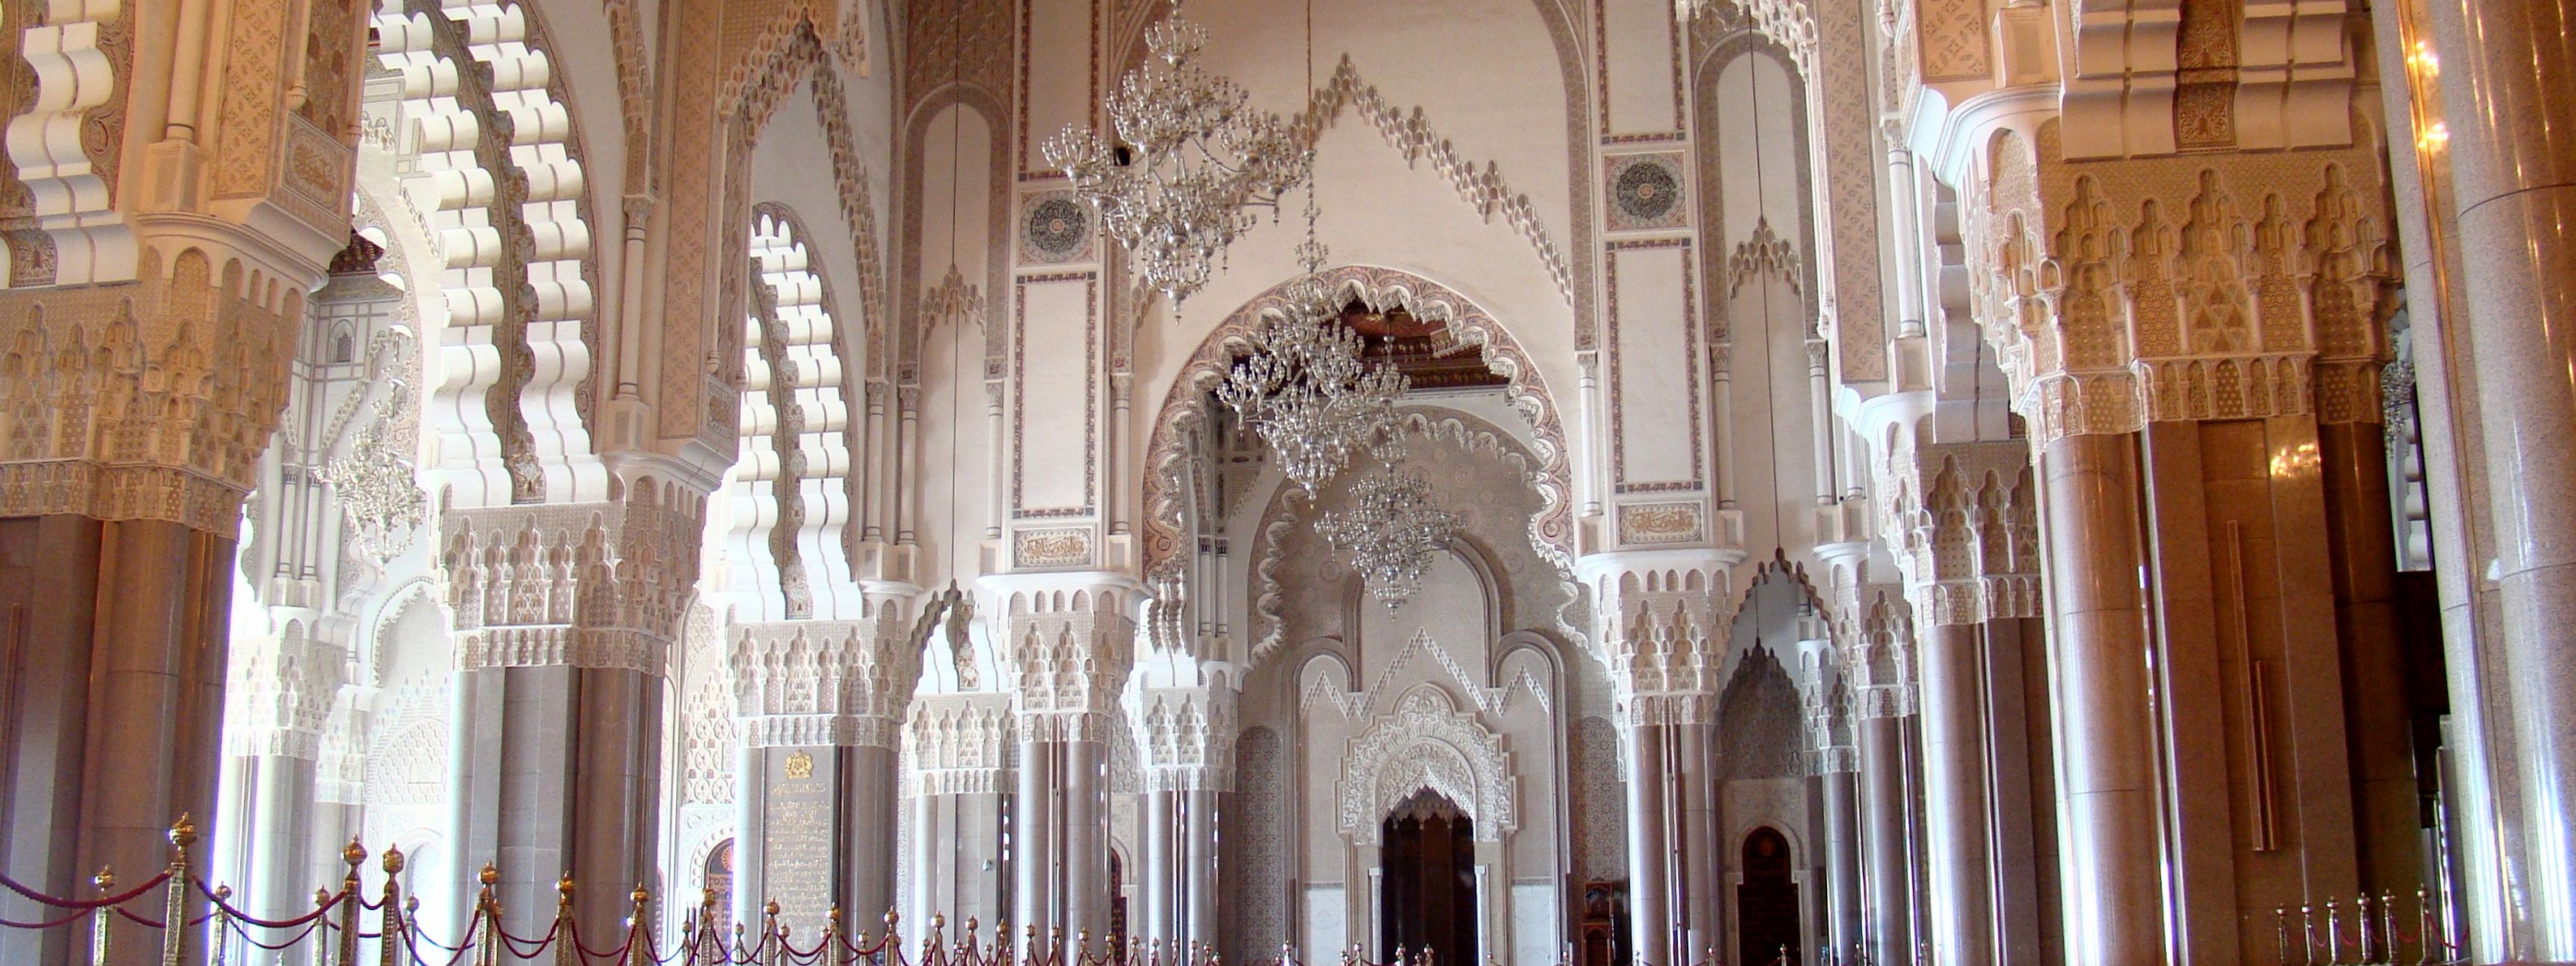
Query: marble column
1702,853
2377,725
1160,823
1841,794
1956,803
2114,908
112,646
1673,852
1886,843
817,804
148,333
1186,727
1036,862
1650,908
962,812
2512,149
556,750
1067,644
1062,869
1200,867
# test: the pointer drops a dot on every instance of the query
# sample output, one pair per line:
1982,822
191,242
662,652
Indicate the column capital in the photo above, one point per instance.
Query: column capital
1659,622
1067,640
287,685
1964,526
1879,667
959,744
145,401
1187,735
592,585
817,682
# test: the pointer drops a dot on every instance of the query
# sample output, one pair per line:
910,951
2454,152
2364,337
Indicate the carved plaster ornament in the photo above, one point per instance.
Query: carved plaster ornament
953,611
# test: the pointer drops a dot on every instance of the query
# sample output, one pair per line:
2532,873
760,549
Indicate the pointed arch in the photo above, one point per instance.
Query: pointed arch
1184,412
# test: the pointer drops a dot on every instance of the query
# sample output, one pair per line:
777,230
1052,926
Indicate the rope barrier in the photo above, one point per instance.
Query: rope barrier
85,904
2375,935
53,924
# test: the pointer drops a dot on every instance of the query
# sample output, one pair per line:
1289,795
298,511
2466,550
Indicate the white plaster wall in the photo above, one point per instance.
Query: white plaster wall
1376,209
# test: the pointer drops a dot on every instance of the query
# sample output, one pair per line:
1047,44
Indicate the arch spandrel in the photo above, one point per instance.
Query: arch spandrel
1184,411
1427,743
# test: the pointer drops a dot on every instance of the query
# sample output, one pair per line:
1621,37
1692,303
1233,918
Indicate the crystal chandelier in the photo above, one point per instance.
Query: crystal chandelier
1306,392
1201,157
1305,388
1391,530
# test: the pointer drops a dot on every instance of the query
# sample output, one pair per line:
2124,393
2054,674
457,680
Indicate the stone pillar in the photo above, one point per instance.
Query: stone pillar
143,369
1880,669
1842,860
1886,854
2108,788
1160,824
114,651
961,808
1200,867
2513,184
273,746
1966,512
1650,847
1187,734
332,491
1955,806
1066,640
2387,813
1653,611
821,705
565,616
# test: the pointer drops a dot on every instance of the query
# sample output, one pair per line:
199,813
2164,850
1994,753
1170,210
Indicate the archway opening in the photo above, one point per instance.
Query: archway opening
1428,866
1766,902
719,887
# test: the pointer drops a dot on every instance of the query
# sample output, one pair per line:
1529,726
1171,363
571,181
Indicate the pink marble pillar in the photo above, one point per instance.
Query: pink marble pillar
2113,890
2505,67
112,651
1956,802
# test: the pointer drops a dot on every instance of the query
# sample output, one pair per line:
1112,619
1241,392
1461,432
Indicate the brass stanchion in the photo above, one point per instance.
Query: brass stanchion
566,935
2388,926
321,924
390,929
488,911
2424,929
223,926
105,880
636,954
771,938
174,909
352,853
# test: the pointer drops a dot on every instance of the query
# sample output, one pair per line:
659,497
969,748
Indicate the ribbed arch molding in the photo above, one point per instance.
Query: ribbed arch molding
500,181
790,483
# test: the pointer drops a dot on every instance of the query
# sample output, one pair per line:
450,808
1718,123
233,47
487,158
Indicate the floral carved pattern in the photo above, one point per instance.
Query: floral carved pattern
1427,743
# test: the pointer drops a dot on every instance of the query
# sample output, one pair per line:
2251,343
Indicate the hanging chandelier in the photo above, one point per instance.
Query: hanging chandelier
1391,530
1192,160
1310,397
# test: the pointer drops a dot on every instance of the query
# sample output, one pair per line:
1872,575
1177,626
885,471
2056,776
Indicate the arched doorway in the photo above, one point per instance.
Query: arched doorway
1428,897
719,887
1766,903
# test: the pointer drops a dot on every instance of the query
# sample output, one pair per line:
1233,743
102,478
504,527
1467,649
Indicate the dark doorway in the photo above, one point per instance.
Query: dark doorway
1766,905
1117,906
1430,880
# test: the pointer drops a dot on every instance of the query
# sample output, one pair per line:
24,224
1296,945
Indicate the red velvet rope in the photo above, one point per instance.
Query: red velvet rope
64,921
318,912
43,899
